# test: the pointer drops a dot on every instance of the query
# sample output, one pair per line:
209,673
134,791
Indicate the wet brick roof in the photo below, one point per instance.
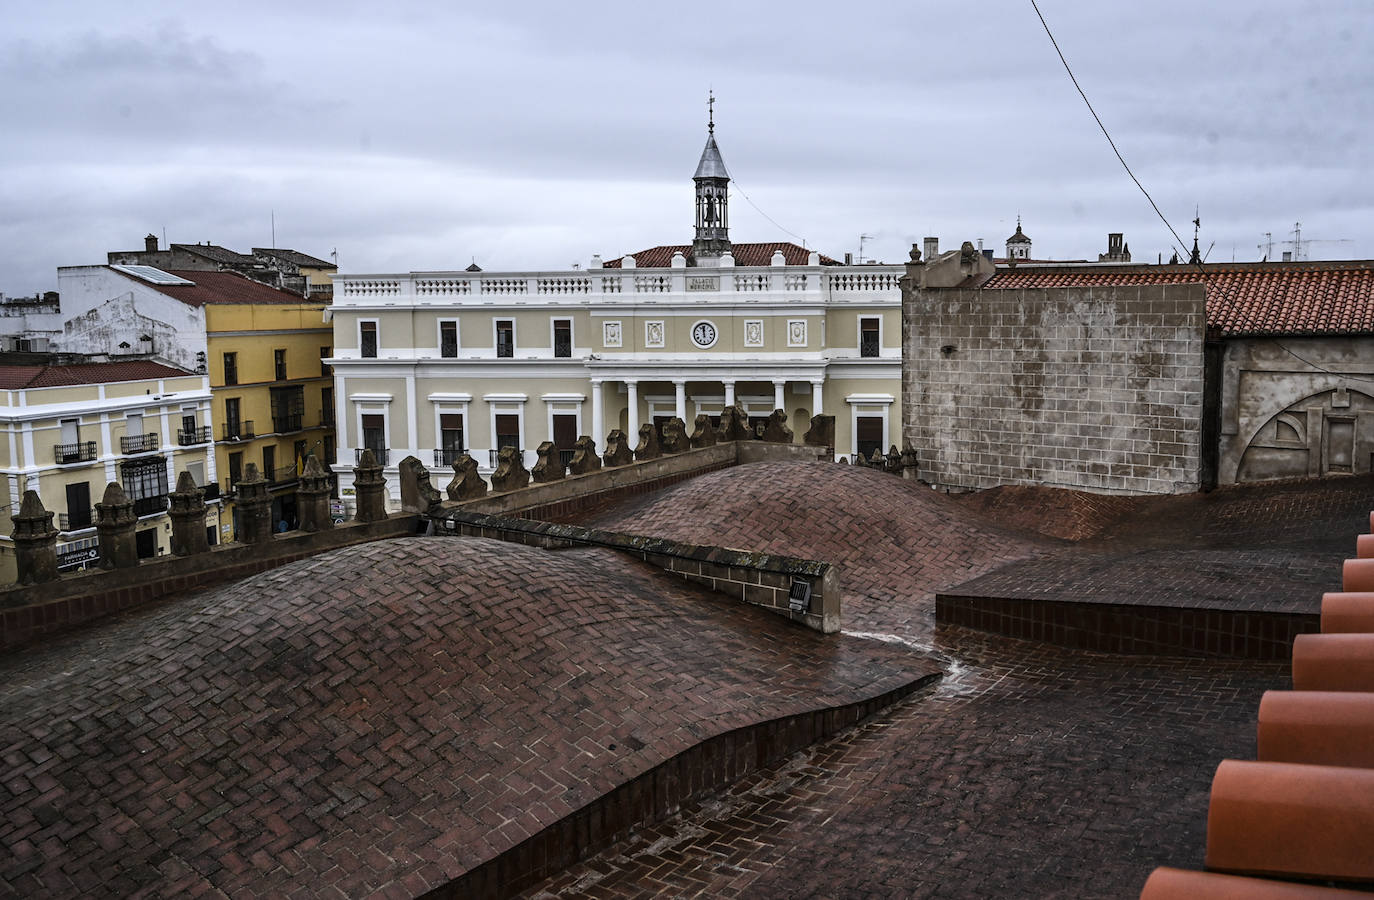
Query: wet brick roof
14,378
1243,299
379,719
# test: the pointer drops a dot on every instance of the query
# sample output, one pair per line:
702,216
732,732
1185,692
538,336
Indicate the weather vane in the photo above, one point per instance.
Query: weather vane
711,111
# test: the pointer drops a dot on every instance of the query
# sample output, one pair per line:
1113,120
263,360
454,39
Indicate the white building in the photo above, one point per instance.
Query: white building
435,363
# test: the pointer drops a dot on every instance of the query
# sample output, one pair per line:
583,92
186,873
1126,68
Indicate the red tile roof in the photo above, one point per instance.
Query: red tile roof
661,257
1243,299
220,287
15,378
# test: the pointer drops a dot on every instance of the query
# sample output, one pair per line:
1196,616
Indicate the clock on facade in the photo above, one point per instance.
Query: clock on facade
703,334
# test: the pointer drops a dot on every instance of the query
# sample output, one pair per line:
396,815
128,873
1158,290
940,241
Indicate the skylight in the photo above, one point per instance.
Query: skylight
151,274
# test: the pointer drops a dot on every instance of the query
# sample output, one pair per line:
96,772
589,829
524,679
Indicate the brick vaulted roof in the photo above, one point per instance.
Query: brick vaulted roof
381,719
1243,299
220,287
15,378
661,257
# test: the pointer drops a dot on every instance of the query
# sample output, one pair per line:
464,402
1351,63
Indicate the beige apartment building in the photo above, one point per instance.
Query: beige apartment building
70,430
437,363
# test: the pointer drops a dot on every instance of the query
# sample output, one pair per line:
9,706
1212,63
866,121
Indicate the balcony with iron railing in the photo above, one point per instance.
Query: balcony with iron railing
868,347
139,443
239,431
148,506
566,456
80,452
494,456
198,435
445,458
379,453
282,423
75,520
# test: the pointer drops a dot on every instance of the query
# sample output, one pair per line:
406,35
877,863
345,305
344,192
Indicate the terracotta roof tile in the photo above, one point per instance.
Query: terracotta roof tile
1243,299
14,378
661,257
221,287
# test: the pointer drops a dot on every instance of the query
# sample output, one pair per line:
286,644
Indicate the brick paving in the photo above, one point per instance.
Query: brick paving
1030,771
380,720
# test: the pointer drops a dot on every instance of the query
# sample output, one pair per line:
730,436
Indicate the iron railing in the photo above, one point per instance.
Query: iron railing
869,347
198,435
379,453
139,443
75,520
282,424
566,456
239,431
81,451
147,506
447,458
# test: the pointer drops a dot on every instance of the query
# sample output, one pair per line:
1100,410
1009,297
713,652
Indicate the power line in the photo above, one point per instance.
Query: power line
735,182
1104,130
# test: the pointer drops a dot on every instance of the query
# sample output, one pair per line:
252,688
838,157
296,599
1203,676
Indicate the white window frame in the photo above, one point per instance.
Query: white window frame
562,404
804,335
662,334
450,404
457,338
371,404
377,327
606,328
859,326
868,405
553,337
505,404
514,336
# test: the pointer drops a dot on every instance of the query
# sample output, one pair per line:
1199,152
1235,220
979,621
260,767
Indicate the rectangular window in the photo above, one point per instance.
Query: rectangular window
71,431
451,445
78,506
507,431
235,469
565,435
269,463
562,337
233,424
368,333
505,338
327,407
374,433
869,331
279,364
325,371
868,435
231,369
448,339
288,409
328,450
145,483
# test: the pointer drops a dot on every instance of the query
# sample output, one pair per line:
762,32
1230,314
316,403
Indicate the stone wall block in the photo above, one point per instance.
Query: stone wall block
418,494
510,474
550,465
777,430
584,458
647,448
466,483
675,436
618,451
704,433
734,425
821,433
35,541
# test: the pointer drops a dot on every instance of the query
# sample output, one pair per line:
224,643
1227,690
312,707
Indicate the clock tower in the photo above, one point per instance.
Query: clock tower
713,200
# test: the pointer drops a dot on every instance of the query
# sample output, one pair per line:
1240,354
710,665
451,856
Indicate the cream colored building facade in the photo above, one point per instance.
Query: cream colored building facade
71,430
431,364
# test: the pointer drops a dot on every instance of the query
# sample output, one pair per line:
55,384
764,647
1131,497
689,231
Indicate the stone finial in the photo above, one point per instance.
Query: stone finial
878,460
369,488
843,460
549,467
417,492
911,463
894,461
187,512
35,541
618,452
915,254
647,448
704,434
821,433
312,497
584,457
734,425
510,474
466,483
674,436
860,461
777,431
254,506
115,525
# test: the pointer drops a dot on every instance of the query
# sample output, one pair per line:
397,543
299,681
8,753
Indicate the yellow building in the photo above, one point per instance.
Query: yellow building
70,430
260,346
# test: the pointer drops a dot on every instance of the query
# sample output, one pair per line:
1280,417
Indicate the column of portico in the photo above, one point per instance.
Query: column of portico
598,414
632,392
729,392
816,397
778,399
680,398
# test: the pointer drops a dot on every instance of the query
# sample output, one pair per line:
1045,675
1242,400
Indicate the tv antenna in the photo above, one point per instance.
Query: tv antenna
863,239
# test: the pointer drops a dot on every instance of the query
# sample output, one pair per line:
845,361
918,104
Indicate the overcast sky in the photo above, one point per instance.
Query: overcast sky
535,135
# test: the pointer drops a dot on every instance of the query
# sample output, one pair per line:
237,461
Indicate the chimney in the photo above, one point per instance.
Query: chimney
1288,256
849,259
150,243
932,248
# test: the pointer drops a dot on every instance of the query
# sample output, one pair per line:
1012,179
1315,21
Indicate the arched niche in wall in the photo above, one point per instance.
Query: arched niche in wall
1327,433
